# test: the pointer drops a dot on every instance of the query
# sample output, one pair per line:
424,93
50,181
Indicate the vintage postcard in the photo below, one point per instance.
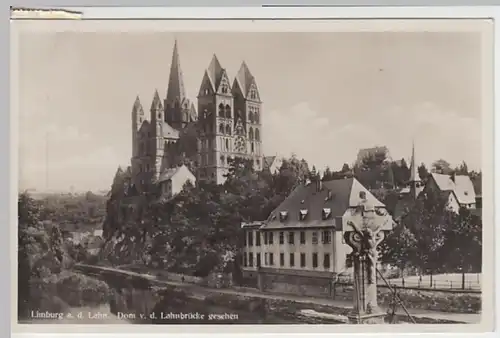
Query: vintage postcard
271,172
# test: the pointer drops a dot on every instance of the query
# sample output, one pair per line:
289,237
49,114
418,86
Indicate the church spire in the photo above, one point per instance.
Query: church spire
414,176
175,89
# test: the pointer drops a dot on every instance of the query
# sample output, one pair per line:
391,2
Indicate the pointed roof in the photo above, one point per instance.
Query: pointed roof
137,108
414,176
336,195
176,81
156,104
244,78
215,72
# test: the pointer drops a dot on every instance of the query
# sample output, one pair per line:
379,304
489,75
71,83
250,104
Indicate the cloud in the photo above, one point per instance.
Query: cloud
316,137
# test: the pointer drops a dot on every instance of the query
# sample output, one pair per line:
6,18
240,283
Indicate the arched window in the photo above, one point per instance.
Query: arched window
227,144
253,147
250,116
221,110
257,134
206,91
228,111
250,133
228,129
222,160
256,117
221,128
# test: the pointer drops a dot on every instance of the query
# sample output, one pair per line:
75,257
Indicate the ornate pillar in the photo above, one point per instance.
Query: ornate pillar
363,232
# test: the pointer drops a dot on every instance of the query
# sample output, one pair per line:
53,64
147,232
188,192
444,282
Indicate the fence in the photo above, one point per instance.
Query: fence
437,283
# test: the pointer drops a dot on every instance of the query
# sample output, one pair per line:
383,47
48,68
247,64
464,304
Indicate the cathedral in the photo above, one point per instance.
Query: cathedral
224,123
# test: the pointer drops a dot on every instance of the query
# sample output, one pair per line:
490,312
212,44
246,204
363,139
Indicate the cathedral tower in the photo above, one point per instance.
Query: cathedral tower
157,141
248,110
137,119
179,111
215,109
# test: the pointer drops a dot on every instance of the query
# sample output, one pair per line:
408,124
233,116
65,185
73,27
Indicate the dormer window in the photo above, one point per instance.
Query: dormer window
283,215
326,213
303,214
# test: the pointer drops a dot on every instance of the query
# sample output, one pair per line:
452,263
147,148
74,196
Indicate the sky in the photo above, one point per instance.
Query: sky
325,95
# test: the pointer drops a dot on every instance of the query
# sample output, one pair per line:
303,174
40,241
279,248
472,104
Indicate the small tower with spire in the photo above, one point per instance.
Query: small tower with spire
415,182
137,120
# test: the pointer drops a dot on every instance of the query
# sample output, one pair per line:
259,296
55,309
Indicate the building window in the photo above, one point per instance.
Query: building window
314,237
257,134
292,259
271,258
282,259
221,110
256,117
266,261
227,144
271,239
250,238
258,259
228,111
228,129
282,237
245,239
245,259
252,146
302,214
250,259
326,237
315,260
250,116
290,238
250,134
222,160
257,238
265,238
221,128
302,260
326,261
302,237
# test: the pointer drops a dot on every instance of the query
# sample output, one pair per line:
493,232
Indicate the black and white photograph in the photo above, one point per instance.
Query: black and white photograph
252,177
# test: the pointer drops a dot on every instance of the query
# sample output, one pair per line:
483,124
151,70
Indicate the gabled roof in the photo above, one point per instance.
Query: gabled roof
335,195
245,79
137,108
169,132
461,185
171,172
215,72
156,104
168,174
268,161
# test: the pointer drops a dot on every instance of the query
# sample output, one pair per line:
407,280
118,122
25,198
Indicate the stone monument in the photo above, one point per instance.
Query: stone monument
363,232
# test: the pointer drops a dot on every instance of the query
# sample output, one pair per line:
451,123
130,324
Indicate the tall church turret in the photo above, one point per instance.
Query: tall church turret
248,110
179,111
137,119
215,108
416,185
157,139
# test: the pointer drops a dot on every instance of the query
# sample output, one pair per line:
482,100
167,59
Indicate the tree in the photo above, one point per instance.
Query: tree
327,175
399,248
423,173
463,243
345,168
428,220
441,167
462,169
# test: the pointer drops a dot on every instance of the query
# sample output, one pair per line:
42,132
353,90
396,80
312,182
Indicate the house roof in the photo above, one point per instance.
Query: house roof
244,78
169,132
335,196
171,172
461,185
